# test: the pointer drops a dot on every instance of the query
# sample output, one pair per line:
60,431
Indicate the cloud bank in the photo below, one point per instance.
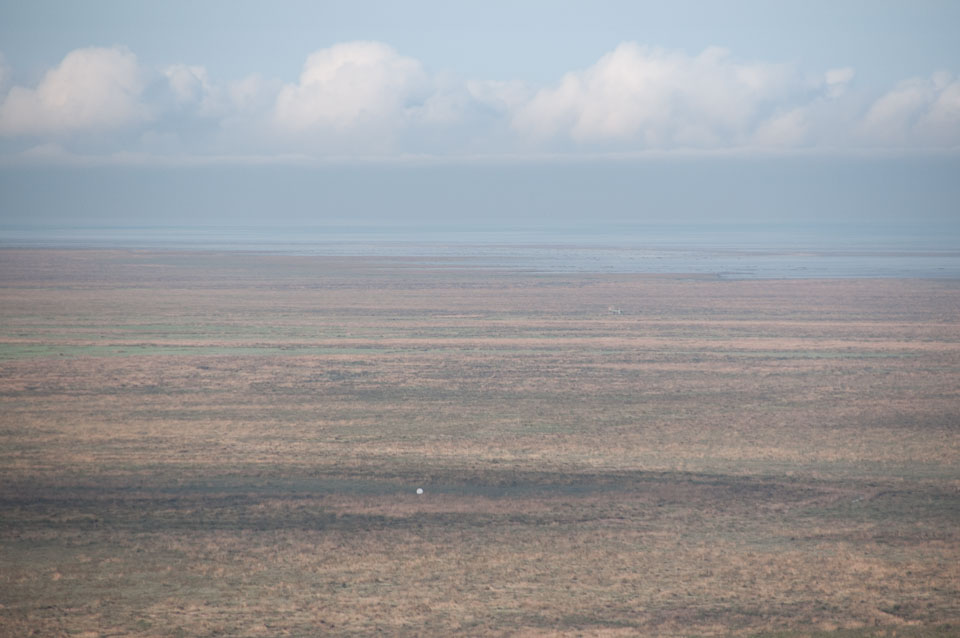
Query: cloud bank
367,100
92,89
350,88
650,98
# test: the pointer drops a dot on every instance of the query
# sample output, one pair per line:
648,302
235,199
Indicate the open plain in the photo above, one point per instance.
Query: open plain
204,443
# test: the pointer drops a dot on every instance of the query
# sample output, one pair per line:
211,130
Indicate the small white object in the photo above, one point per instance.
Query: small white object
419,490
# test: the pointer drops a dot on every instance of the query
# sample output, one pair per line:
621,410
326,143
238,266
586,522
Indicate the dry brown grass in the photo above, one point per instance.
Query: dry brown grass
204,444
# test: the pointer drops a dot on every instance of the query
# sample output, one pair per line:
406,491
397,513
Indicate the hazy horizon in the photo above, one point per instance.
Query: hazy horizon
869,192
543,114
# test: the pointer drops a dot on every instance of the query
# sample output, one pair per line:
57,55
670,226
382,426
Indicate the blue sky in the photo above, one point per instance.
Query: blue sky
377,88
885,41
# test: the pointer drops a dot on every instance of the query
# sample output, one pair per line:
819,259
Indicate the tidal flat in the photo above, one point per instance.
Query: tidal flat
203,443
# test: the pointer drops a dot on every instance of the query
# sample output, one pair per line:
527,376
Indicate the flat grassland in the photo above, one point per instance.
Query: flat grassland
202,444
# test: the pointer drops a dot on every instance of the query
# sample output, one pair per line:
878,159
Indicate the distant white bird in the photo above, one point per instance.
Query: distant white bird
419,490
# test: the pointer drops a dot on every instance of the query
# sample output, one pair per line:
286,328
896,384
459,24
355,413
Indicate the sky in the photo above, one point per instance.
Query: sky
534,113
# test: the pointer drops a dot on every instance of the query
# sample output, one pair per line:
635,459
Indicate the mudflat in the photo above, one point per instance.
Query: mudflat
220,443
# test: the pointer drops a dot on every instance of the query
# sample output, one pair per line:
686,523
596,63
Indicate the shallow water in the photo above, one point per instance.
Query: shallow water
743,252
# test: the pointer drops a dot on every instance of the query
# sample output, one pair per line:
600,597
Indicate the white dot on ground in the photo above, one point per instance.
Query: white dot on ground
419,490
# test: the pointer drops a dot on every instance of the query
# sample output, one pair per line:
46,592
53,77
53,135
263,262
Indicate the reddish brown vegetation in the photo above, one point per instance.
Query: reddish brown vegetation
226,443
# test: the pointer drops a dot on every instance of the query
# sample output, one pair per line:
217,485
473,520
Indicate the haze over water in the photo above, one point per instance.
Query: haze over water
730,252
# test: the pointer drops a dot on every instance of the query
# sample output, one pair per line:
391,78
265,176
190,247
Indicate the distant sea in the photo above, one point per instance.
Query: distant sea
729,251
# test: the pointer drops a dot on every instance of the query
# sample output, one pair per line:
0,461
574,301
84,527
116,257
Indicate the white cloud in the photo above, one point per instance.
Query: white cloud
189,84
194,91
502,97
351,86
654,98
943,116
366,100
93,88
920,112
783,130
252,93
837,80
820,116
